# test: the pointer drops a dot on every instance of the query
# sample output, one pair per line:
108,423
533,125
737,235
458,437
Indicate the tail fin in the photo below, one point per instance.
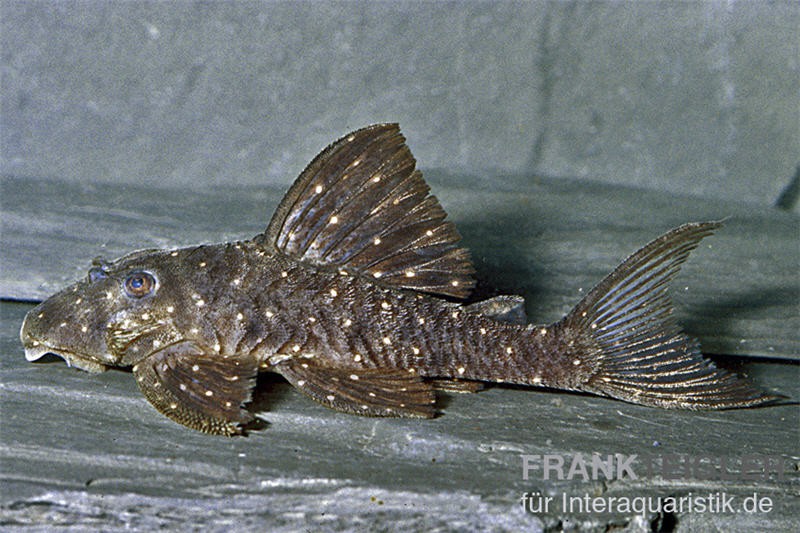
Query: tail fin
644,357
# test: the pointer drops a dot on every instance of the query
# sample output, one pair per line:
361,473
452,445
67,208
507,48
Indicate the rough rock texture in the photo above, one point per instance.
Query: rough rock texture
132,124
86,452
690,97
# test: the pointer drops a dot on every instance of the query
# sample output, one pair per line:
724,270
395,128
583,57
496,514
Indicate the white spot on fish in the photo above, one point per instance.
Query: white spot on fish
217,348
483,331
354,377
386,305
421,321
269,314
576,362
357,358
64,324
173,406
202,264
236,281
209,393
239,316
537,380
170,309
301,383
348,323
509,350
334,294
296,348
330,397
376,241
409,273
157,344
387,340
77,302
461,370
84,329
284,274
146,316
195,368
312,319
199,303
543,332
415,350
318,189
377,274
334,219
174,254
454,283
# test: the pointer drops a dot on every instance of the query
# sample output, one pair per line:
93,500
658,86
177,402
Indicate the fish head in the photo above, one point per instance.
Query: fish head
117,315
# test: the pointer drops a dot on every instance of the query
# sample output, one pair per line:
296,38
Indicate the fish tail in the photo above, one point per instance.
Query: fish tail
628,345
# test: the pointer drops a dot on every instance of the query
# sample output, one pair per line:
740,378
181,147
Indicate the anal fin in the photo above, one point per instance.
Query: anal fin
367,392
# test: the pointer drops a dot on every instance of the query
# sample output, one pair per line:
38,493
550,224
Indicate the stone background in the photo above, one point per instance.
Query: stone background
691,97
559,136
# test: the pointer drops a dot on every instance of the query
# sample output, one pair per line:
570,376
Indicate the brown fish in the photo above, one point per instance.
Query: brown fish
343,296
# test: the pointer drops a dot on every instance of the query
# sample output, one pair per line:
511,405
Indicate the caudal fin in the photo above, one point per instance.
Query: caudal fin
644,357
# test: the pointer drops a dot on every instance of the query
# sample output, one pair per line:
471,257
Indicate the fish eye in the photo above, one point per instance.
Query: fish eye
139,284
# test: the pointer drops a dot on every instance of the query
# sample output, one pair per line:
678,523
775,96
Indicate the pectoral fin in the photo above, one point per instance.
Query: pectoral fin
200,390
367,392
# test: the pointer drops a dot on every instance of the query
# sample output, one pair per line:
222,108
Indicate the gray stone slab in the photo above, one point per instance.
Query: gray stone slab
696,97
86,452
548,240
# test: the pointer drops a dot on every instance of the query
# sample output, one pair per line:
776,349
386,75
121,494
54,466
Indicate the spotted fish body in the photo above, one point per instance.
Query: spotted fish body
344,296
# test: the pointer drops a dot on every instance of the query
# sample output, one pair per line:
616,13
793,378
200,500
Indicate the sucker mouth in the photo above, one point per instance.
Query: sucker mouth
35,350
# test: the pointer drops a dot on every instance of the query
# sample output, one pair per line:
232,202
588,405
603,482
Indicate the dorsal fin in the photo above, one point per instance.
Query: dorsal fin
361,206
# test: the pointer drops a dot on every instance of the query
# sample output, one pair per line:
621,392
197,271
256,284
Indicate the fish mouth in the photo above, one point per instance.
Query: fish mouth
35,350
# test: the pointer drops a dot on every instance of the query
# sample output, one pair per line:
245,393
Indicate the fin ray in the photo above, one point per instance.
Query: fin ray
361,206
367,392
200,390
643,356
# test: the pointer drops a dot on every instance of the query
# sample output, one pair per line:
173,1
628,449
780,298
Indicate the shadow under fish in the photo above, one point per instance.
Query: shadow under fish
352,294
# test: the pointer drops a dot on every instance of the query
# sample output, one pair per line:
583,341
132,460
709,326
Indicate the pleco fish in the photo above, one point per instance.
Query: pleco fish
344,296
